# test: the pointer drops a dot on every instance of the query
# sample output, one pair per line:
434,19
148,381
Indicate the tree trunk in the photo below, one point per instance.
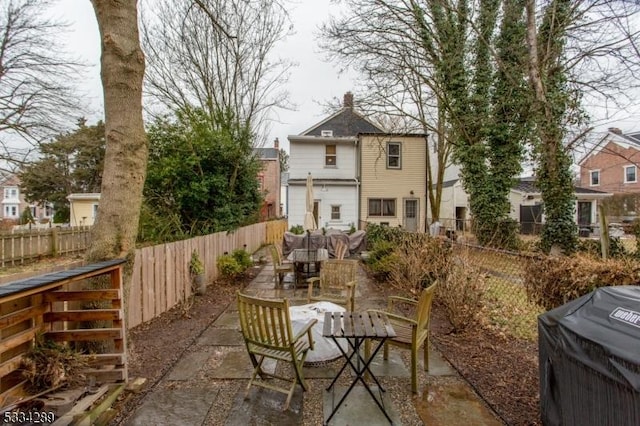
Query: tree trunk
122,69
122,62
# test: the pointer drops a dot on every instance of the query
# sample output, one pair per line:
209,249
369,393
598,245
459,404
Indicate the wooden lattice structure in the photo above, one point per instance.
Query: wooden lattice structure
54,305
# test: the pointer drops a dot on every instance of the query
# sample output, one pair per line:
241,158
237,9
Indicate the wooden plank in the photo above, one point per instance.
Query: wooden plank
158,279
10,365
94,415
148,288
80,406
82,295
21,315
13,394
19,339
83,335
134,302
106,375
84,315
169,275
96,360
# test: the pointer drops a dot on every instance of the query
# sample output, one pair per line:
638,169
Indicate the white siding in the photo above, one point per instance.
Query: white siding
305,157
344,196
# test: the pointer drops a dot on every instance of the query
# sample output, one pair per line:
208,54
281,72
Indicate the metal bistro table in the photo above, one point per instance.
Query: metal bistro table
356,327
303,259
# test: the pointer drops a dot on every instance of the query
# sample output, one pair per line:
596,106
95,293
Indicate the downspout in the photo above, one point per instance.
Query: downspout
358,174
426,180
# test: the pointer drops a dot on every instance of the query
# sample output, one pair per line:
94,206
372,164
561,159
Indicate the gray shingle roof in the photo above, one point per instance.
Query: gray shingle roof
345,123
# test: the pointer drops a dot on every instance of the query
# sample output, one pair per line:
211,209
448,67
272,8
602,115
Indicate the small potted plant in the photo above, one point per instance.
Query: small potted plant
196,269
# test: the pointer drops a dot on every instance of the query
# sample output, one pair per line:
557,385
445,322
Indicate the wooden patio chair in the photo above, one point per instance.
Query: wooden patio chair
268,333
341,250
411,333
280,269
336,283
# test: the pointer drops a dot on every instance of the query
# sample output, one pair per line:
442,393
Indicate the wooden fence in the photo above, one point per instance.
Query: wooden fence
18,248
160,277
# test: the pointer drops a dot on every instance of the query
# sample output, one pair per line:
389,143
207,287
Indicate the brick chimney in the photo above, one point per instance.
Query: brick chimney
348,100
615,130
276,144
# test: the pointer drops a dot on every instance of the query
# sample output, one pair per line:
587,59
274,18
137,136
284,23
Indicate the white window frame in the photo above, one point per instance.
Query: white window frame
398,156
382,209
635,174
591,172
327,156
326,133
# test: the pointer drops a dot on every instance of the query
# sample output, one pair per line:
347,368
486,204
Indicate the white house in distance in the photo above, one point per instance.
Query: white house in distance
83,208
328,150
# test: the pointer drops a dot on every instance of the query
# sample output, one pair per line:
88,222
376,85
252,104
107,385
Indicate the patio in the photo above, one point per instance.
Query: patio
207,385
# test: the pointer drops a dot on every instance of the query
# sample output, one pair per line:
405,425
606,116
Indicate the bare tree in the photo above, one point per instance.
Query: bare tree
382,41
217,55
36,94
122,62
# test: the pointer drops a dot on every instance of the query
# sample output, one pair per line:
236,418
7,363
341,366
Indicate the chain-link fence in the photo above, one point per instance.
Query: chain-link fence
506,306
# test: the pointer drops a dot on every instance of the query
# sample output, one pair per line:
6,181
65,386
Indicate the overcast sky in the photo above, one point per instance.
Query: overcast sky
311,82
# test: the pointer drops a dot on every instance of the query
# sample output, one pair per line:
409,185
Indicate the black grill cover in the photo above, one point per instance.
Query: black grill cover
589,359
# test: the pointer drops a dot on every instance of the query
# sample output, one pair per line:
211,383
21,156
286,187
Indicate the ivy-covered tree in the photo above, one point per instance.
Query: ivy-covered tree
201,176
72,162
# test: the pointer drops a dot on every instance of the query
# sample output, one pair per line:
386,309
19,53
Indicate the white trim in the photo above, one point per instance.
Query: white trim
591,177
635,173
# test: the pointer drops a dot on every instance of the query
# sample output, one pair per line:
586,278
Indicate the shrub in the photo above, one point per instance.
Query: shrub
594,248
460,293
195,265
228,266
500,234
298,230
381,259
553,281
243,258
376,233
418,261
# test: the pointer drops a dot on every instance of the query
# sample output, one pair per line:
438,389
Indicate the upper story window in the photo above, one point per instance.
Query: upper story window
394,154
630,174
382,207
11,211
330,155
11,193
326,133
594,176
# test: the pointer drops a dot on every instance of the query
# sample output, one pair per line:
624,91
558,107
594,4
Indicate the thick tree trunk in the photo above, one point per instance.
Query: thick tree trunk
116,228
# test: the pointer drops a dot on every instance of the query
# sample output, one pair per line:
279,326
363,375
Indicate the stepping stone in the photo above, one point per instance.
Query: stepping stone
236,364
170,407
264,407
359,408
392,367
438,366
228,319
454,404
189,365
221,337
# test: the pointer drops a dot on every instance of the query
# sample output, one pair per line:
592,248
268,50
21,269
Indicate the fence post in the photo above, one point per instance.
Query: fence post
54,241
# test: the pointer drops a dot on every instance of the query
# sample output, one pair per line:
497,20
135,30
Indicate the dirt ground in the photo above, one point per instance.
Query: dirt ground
503,372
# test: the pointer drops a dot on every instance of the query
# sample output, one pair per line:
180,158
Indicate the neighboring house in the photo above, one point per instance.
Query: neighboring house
83,208
269,180
328,150
13,202
393,179
612,166
526,204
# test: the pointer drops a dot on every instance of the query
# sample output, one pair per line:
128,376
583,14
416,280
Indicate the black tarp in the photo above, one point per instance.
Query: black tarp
589,357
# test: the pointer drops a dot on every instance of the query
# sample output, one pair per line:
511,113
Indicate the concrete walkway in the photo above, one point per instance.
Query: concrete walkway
206,386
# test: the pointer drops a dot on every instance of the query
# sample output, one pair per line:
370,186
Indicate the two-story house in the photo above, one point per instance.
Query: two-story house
360,173
329,151
393,179
612,166
14,203
269,180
